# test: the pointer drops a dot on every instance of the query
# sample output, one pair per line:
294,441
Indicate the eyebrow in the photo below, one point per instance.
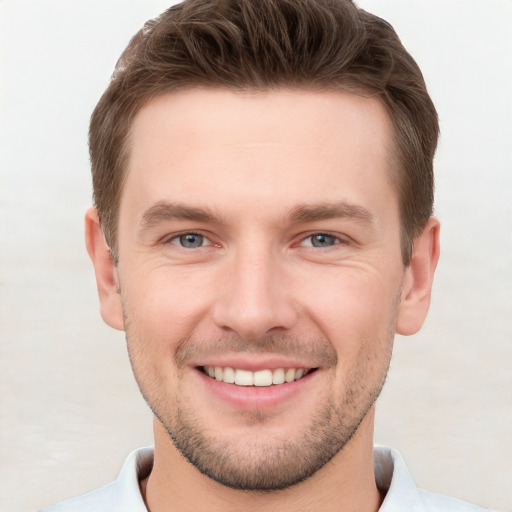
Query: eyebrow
164,211
312,213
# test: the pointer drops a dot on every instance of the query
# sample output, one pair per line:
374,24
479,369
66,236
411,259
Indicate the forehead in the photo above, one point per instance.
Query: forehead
283,146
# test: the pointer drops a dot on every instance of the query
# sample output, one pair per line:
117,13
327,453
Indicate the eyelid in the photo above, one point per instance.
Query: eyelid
169,238
341,239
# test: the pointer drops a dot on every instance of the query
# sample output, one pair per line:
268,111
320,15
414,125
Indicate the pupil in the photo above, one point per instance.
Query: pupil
191,240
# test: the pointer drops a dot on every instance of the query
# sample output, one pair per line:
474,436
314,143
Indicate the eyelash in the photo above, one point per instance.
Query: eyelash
338,240
177,236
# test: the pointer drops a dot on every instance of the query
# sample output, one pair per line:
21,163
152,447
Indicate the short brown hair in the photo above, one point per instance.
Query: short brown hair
265,45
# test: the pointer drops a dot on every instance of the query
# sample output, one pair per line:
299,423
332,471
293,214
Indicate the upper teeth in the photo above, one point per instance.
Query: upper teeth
259,378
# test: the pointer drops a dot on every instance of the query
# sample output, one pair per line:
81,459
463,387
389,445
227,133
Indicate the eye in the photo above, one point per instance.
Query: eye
189,240
320,240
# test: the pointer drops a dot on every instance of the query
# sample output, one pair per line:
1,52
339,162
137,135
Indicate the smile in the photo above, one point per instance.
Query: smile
259,378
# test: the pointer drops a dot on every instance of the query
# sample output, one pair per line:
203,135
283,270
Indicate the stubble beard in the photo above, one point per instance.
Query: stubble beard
257,463
260,465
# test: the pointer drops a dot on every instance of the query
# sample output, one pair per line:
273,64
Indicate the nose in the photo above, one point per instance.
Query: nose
254,299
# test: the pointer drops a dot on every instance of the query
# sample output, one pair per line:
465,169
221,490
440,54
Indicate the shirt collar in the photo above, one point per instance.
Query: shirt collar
393,478
136,467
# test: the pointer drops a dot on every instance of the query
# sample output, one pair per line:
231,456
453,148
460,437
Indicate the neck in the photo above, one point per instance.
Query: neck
345,483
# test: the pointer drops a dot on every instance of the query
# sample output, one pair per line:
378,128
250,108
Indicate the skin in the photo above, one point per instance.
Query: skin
257,176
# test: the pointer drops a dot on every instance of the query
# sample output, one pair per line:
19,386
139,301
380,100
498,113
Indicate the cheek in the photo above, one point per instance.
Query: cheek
166,305
358,317
356,305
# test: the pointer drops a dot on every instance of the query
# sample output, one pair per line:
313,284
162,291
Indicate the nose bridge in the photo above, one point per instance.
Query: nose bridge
254,299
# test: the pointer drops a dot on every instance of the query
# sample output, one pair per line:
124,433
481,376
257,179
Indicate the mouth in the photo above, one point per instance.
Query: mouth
260,378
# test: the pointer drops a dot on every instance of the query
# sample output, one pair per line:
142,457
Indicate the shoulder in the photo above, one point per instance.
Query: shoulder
121,495
439,503
99,500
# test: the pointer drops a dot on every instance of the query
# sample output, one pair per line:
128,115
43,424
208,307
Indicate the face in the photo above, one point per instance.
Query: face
260,275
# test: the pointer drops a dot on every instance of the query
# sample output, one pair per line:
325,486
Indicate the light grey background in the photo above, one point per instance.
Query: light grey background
70,411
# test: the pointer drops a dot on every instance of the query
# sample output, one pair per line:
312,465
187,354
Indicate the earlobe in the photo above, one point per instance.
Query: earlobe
417,286
106,273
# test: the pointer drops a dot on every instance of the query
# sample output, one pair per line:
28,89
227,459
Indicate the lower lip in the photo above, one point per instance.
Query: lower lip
250,398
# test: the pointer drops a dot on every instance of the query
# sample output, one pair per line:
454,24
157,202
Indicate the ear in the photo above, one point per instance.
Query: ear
417,286
106,272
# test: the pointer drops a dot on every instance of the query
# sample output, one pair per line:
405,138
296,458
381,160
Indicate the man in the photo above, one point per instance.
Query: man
262,228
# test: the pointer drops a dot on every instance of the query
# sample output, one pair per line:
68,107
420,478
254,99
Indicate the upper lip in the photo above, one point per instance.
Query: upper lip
254,363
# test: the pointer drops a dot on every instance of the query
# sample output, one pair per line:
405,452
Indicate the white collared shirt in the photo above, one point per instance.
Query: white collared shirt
391,475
